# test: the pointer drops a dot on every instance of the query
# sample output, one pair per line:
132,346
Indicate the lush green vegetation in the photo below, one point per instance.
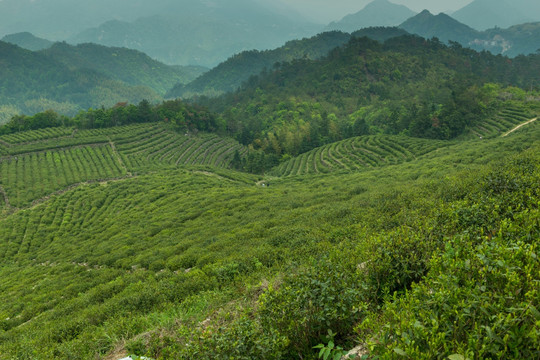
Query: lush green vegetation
37,163
408,85
134,263
399,212
358,153
33,82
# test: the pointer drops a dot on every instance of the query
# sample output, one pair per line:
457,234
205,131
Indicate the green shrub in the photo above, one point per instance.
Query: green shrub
326,295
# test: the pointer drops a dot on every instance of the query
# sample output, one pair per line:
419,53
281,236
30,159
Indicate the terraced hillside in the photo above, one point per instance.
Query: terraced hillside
505,120
358,153
36,164
159,146
137,265
30,176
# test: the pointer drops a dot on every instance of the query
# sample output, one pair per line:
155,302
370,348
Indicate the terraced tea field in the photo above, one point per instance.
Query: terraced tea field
161,146
30,176
36,135
36,164
358,153
507,119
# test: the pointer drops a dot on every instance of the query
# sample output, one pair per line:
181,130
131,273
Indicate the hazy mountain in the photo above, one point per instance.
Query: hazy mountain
516,40
130,66
70,17
229,75
33,82
441,26
376,13
63,19
27,41
484,14
204,33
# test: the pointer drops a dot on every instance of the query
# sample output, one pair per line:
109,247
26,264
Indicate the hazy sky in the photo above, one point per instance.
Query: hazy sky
329,10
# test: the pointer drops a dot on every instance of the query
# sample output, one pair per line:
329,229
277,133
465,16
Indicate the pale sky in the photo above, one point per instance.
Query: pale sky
330,10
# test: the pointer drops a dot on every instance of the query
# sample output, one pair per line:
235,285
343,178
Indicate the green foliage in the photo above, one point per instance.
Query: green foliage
420,257
326,295
408,85
181,116
479,297
330,351
358,153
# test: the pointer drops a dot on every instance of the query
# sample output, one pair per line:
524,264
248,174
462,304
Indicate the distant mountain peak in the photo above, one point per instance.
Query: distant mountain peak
376,13
28,41
441,26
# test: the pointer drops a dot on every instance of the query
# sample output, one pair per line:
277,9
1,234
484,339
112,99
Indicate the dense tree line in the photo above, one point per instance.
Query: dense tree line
182,116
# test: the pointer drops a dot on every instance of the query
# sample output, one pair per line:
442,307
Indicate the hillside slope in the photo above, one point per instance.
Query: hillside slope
136,265
408,85
39,163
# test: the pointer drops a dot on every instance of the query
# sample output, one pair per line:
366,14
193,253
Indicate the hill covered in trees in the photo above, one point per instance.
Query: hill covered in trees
33,82
129,66
229,75
67,79
408,85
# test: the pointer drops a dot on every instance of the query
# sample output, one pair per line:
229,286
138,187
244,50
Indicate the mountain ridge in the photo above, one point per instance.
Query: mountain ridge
28,41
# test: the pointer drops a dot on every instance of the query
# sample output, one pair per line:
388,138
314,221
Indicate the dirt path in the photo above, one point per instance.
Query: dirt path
211,174
519,126
118,158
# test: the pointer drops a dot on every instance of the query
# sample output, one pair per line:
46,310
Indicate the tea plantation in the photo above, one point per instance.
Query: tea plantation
141,239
